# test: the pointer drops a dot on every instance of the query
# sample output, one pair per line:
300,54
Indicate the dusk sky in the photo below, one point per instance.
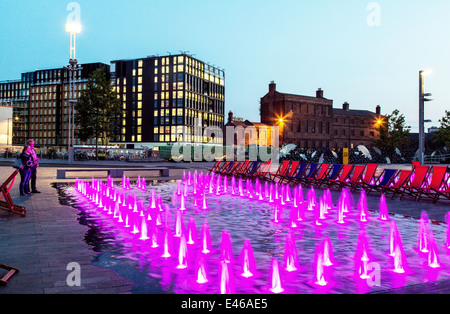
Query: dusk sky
366,53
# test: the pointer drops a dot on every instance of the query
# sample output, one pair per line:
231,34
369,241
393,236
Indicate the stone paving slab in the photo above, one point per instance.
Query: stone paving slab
50,237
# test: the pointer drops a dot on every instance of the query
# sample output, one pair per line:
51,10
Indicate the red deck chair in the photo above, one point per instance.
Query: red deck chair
333,173
319,175
251,170
384,181
412,187
444,193
233,168
343,176
369,175
354,178
8,204
292,170
282,170
437,183
241,168
401,179
263,170
226,167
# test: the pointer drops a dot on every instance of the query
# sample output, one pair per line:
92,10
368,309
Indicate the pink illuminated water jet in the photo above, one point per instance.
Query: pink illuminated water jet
248,265
226,285
275,279
192,231
182,253
290,254
362,207
226,251
384,213
201,270
206,239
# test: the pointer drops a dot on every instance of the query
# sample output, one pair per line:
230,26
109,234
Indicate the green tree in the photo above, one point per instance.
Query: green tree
97,110
442,136
393,132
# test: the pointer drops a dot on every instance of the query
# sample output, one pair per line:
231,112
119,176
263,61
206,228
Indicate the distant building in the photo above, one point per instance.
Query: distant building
312,122
255,133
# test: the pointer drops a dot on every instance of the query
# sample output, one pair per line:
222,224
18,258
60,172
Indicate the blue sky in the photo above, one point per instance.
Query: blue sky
301,45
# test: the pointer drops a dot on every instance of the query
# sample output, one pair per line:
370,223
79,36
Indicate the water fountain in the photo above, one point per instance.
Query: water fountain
282,212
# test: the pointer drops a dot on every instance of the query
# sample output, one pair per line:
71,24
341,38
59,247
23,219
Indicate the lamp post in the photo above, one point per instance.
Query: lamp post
422,101
73,26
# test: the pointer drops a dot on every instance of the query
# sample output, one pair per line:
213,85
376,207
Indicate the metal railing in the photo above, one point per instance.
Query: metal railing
437,159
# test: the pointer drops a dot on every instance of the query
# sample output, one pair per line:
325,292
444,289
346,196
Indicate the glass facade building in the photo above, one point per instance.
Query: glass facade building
169,99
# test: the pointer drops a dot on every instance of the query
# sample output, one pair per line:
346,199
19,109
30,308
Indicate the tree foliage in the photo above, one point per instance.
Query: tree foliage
442,136
393,132
97,110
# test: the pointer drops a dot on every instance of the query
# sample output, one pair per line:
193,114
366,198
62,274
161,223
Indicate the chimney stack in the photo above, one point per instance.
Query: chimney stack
230,116
319,93
272,87
378,110
346,106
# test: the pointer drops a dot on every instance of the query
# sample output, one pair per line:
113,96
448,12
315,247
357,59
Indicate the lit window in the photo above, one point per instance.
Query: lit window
140,63
139,138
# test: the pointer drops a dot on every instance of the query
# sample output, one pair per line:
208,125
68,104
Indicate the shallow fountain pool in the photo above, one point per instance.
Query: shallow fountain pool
207,234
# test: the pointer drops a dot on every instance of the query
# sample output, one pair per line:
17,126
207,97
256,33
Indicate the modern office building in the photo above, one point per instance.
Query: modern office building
169,99
41,104
312,122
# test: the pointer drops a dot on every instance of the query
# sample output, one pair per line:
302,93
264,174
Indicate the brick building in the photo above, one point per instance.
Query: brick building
312,122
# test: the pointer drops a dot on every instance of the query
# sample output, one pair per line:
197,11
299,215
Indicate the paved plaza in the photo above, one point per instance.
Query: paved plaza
50,237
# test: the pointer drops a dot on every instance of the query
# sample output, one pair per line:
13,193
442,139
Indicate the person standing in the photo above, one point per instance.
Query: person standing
25,170
33,173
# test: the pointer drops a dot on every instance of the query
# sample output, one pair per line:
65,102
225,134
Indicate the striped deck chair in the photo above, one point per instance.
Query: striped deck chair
365,179
355,177
319,175
438,183
384,181
282,170
226,167
243,167
336,184
311,172
401,179
263,170
233,168
412,187
297,175
253,167
332,174
292,170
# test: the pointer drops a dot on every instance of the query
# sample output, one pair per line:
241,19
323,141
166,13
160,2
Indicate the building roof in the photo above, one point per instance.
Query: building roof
353,112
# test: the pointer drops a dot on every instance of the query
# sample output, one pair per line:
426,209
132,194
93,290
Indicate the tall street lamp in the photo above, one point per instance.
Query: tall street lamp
422,100
73,26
